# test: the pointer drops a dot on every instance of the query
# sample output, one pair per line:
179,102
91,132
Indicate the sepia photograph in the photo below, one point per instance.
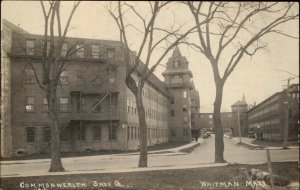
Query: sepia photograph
149,95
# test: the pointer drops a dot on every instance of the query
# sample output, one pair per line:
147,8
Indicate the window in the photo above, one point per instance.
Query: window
97,132
47,134
184,131
128,132
30,47
173,132
131,132
30,104
184,107
172,112
81,76
112,133
176,79
192,116
29,77
110,53
184,94
64,78
63,104
45,105
30,134
95,51
47,47
80,104
64,50
80,51
80,133
185,119
172,100
65,134
176,64
135,133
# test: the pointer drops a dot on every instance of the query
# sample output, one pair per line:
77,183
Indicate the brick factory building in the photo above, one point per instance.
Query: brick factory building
229,119
96,109
275,113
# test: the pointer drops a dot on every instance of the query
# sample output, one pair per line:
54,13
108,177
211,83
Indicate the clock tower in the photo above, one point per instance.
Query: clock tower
178,79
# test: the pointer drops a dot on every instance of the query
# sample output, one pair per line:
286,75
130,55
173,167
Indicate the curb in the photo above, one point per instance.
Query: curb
190,149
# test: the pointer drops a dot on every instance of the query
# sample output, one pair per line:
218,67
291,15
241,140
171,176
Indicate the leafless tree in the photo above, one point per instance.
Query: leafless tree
153,38
236,30
52,65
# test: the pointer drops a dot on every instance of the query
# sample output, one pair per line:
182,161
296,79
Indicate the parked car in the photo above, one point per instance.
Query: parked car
251,135
205,135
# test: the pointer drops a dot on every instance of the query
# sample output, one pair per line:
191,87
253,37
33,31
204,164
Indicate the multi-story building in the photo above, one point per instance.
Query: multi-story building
206,121
96,109
269,118
179,84
229,119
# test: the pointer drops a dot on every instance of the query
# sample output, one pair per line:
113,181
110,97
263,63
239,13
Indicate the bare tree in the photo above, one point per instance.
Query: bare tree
153,38
52,65
236,30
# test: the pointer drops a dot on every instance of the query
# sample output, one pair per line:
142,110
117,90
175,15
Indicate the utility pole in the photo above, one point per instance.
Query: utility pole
287,102
239,125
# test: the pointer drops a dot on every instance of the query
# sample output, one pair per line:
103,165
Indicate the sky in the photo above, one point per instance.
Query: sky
257,78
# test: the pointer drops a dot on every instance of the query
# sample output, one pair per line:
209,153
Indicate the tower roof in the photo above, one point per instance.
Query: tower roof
176,53
244,99
240,103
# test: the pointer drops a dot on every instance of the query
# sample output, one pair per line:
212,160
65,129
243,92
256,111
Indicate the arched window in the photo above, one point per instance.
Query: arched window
176,64
29,77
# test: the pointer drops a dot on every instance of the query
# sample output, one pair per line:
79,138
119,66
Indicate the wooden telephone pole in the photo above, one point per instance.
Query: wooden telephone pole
287,102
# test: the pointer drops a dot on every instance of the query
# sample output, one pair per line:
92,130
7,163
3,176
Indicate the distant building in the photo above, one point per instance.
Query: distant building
239,124
96,109
206,121
229,120
271,115
195,110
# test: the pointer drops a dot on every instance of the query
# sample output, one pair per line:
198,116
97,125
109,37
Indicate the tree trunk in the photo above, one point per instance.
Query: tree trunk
143,129
218,129
56,164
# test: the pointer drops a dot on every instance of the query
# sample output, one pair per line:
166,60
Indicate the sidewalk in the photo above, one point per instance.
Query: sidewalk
248,141
21,168
175,150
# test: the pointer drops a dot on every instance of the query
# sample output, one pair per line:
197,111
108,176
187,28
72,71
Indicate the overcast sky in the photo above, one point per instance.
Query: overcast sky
258,77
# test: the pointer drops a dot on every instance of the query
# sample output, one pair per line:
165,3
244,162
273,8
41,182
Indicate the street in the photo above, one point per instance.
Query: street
202,156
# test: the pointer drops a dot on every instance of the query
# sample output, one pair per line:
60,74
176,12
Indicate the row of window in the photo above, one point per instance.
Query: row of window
65,134
81,76
172,112
153,96
31,104
176,79
79,49
185,132
133,132
30,134
149,112
63,104
131,107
